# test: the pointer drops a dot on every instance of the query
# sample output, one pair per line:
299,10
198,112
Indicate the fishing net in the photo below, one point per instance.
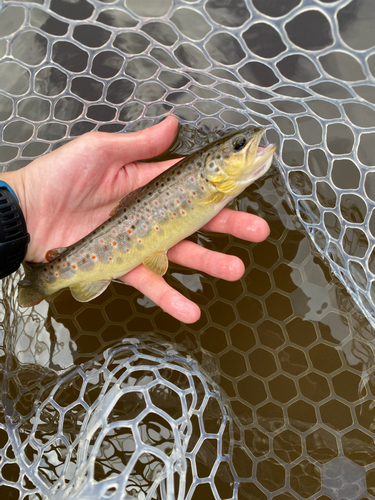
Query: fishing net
304,70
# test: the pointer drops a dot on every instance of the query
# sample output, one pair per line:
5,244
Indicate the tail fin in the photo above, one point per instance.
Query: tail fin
30,293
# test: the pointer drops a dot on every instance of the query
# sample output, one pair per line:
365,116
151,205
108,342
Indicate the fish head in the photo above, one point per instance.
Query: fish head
237,161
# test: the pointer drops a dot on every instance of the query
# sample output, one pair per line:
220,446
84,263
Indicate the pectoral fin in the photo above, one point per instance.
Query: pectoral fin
157,263
83,292
228,188
54,253
213,198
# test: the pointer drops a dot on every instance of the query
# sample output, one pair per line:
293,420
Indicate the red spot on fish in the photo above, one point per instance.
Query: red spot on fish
101,241
181,190
144,225
47,278
74,266
64,264
114,231
178,201
139,241
183,213
189,201
156,203
132,216
127,250
94,256
148,215
174,213
129,231
110,258
81,251
157,229
115,243
194,193
192,179
202,188
162,213
166,199
56,274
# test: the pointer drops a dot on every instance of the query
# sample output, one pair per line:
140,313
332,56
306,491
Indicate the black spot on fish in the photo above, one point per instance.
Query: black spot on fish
211,164
218,157
199,164
168,179
138,201
162,185
150,194
124,210
167,193
133,227
217,169
157,184
178,173
45,269
126,217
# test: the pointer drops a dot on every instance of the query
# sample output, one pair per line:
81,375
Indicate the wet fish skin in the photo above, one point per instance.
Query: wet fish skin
151,219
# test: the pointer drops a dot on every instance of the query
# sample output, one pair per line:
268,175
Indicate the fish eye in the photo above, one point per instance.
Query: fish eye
239,144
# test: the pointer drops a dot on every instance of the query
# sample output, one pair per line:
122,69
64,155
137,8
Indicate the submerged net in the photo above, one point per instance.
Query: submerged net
304,70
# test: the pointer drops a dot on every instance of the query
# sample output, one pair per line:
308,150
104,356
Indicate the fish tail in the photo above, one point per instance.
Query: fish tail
30,292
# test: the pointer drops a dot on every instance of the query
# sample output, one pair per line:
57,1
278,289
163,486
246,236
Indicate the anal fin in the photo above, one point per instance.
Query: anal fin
83,292
157,263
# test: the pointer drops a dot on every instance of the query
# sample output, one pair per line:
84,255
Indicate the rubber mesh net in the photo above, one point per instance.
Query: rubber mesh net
303,70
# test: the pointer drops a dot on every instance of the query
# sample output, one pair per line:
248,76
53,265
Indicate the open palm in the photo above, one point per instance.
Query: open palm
67,193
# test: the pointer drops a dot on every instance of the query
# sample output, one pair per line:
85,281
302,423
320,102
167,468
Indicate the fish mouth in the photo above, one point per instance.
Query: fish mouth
262,161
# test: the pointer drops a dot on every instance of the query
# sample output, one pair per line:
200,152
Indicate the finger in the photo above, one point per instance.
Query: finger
242,225
189,254
157,290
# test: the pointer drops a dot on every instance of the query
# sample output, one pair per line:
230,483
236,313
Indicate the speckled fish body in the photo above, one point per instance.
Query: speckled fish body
152,219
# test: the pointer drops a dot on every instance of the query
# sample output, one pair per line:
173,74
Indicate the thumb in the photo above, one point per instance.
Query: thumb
142,145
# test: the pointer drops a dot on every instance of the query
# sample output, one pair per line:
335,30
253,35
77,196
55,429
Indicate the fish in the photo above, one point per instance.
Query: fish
151,219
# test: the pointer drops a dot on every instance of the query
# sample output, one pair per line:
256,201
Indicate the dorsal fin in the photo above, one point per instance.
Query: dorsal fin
127,200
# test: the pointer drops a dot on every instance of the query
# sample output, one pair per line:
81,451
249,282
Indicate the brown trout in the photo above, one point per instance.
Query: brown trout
151,219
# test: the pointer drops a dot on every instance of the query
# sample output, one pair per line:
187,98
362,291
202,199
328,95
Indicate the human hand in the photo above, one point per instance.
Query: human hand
66,194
